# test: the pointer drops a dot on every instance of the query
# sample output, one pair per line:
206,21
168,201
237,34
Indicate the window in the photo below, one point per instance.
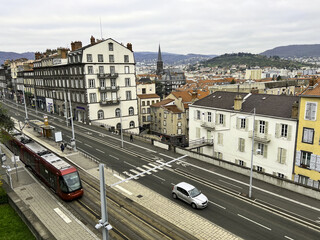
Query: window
90,70
284,130
282,155
260,149
128,95
262,126
126,58
89,57
143,91
198,115
113,82
117,112
241,163
280,175
220,138
209,117
127,82
102,83
100,58
101,69
126,69
179,115
143,103
110,46
148,103
221,119
112,70
241,144
311,111
303,180
179,131
132,124
143,110
259,169
243,123
179,124
305,158
93,97
100,114
164,123
308,134
131,111
111,58
91,83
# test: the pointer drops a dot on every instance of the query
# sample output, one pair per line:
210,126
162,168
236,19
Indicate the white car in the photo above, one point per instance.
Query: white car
189,194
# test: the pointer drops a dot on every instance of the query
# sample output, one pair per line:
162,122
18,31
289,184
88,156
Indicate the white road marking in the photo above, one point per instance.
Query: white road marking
159,178
130,164
162,162
62,215
100,150
230,184
166,155
142,170
123,190
79,141
129,174
218,205
254,222
114,157
288,238
136,172
149,168
121,178
88,145
153,165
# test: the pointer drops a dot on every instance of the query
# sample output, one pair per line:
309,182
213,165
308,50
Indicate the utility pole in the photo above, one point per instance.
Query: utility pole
25,105
66,107
252,150
121,129
73,140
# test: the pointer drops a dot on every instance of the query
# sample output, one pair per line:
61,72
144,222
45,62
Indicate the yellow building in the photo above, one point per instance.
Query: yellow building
307,168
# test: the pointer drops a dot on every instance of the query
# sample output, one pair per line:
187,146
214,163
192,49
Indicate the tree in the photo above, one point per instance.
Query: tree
279,78
5,121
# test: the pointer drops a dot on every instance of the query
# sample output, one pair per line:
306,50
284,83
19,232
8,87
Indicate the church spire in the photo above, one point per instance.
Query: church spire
159,63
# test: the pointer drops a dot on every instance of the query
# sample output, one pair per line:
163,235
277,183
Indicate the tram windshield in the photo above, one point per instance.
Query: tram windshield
71,182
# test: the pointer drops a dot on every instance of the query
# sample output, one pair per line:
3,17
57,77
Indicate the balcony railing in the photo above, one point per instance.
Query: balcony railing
110,102
109,89
208,125
108,75
261,137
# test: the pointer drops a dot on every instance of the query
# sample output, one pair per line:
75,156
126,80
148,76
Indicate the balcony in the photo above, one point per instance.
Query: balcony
208,125
110,102
260,137
109,89
108,75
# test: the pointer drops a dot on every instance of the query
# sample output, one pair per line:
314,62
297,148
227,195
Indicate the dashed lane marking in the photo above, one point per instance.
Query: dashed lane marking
62,215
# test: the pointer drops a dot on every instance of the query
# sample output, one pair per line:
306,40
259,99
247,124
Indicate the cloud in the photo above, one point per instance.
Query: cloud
180,26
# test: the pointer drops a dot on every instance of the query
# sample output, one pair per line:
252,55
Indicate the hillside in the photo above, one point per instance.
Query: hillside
312,50
170,58
12,56
250,60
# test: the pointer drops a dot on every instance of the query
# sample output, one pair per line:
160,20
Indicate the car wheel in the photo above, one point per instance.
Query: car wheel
174,196
193,205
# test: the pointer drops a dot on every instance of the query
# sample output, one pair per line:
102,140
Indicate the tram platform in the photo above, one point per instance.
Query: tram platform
58,223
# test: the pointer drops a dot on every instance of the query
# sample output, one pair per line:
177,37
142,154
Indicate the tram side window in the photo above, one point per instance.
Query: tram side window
63,185
52,180
44,172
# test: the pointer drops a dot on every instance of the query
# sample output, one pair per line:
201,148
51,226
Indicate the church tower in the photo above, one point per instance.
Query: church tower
159,63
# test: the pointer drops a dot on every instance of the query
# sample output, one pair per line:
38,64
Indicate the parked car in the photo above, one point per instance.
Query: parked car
189,194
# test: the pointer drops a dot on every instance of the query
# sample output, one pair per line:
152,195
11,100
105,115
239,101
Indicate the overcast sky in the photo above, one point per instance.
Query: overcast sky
180,26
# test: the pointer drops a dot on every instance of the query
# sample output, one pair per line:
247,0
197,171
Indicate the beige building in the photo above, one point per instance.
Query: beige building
253,74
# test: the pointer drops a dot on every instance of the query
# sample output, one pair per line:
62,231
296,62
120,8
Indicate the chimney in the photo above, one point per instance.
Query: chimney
295,110
62,52
37,55
72,46
129,46
92,40
254,91
77,45
237,103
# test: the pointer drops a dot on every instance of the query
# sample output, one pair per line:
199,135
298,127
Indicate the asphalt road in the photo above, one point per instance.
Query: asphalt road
226,207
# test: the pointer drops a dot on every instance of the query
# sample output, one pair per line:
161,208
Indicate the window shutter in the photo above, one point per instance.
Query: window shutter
296,178
236,161
217,118
279,155
255,125
277,133
195,115
242,144
298,155
255,147
284,156
247,123
313,111
224,120
310,182
266,129
265,151
313,161
221,138
289,132
239,145
238,123
318,163
316,184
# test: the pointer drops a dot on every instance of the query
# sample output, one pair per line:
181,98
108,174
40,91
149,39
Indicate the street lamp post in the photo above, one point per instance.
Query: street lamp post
73,140
252,150
66,107
121,128
25,105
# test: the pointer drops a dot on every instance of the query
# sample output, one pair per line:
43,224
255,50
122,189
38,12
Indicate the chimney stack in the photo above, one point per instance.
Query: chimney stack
72,46
92,40
295,110
129,46
37,55
63,52
77,45
237,103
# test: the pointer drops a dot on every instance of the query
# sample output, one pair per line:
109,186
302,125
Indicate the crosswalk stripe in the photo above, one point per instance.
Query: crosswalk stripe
162,162
130,175
153,165
143,170
149,168
136,172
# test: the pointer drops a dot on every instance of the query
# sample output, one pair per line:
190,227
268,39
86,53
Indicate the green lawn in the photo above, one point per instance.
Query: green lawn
11,225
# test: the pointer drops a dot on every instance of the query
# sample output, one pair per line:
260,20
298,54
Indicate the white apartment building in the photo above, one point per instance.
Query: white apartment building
226,118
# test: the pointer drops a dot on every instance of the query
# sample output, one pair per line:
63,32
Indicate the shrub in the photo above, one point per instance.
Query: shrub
3,194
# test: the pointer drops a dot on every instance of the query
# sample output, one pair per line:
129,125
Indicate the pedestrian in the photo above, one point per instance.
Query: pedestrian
62,147
131,138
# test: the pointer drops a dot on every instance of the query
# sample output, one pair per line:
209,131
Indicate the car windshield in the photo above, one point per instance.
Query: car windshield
194,192
73,181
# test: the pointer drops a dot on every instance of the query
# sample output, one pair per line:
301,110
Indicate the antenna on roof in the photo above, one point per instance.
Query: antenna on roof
100,28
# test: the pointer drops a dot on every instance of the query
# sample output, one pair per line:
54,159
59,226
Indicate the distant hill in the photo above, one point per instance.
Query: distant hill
251,60
312,50
170,58
12,56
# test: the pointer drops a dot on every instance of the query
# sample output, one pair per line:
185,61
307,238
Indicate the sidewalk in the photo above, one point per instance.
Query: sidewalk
181,217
